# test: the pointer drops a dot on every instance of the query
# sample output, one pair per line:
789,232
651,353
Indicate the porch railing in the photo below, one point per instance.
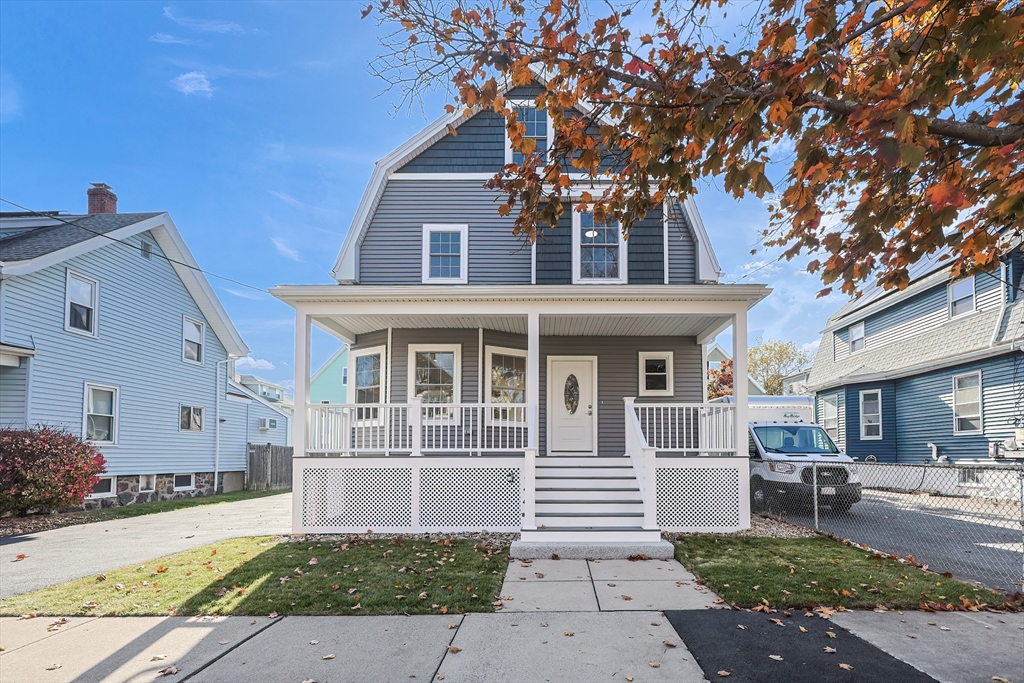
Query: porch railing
690,428
417,428
645,464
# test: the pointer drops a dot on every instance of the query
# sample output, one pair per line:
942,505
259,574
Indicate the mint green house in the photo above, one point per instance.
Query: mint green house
330,383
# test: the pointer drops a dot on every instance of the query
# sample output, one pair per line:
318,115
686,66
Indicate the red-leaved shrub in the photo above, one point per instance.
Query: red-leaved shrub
45,468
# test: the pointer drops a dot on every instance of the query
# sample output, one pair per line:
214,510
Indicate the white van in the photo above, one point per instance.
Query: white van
781,470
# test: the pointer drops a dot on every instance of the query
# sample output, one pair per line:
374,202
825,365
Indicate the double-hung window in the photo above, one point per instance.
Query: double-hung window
656,373
445,251
192,340
537,129
82,301
871,415
856,337
967,403
366,366
961,297
101,412
830,415
190,418
434,376
598,249
506,383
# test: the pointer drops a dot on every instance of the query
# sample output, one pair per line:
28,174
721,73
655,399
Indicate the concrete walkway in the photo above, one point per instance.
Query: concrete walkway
73,552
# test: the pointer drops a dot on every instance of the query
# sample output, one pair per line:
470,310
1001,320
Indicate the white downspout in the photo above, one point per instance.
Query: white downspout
216,457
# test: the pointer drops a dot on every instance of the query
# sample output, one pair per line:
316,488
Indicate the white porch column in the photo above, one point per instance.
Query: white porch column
301,416
533,375
740,396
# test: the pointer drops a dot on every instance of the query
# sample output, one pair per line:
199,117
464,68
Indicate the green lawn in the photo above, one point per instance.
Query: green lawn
34,523
258,576
806,572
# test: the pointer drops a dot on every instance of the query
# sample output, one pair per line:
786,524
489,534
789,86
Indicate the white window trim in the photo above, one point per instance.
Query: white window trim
864,437
512,104
456,377
981,404
95,332
501,351
146,248
113,490
949,297
463,230
368,351
117,412
191,431
202,342
344,376
643,391
149,490
831,400
863,337
576,250
190,487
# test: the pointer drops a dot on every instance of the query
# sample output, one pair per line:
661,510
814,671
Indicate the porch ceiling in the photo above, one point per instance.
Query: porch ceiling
550,325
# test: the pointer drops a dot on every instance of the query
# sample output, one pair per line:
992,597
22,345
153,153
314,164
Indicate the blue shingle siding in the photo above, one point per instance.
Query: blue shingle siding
682,249
924,411
883,449
479,147
392,250
12,395
138,349
554,253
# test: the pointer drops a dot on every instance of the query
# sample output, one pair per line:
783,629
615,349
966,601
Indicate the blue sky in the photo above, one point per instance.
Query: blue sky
256,125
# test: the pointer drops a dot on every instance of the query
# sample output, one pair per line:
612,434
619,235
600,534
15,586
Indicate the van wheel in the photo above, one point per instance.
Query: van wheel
758,496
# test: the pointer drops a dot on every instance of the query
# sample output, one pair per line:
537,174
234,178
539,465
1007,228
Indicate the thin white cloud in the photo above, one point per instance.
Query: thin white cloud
193,83
250,363
207,25
761,267
167,39
10,98
317,211
284,250
811,348
244,294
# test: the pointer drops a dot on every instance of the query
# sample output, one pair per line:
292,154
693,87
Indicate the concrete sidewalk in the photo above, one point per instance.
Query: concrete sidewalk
64,554
535,646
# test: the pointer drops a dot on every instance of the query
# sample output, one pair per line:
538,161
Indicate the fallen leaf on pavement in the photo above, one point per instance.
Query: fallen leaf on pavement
830,634
777,622
453,625
157,658
777,658
569,633
653,665
539,575
328,656
169,671
626,597
830,650
273,615
544,624
313,642
846,667
54,667
543,642
803,630
943,628
453,649
629,678
19,557
719,601
309,680
741,627
669,643
723,673
655,623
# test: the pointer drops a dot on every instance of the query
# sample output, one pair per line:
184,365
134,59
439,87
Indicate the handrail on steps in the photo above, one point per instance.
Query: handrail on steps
644,462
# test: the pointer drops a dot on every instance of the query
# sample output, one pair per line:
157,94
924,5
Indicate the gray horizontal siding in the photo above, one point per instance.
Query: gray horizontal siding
682,249
468,339
392,249
924,410
554,253
141,303
12,395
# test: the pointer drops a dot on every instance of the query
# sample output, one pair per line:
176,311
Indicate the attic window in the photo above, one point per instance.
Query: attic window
445,248
961,297
147,249
537,129
856,337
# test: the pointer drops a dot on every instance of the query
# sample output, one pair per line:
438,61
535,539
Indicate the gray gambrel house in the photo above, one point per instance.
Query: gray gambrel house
109,329
935,370
556,388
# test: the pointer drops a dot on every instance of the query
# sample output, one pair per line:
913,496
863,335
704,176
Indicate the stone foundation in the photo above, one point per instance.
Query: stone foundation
128,492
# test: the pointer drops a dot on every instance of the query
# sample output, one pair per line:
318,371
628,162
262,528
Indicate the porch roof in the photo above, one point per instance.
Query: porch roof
700,311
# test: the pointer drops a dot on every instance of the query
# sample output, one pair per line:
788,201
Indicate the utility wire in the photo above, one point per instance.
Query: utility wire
75,224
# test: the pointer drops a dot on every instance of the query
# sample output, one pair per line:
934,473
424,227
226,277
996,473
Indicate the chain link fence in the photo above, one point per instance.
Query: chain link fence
962,519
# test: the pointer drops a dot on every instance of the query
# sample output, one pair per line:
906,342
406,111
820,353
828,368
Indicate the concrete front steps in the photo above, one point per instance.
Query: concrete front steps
589,507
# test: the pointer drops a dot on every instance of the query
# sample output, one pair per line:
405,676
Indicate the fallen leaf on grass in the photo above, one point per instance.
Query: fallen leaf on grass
90,603
313,562
328,657
157,658
101,577
845,667
272,615
169,671
159,570
777,658
454,649
357,606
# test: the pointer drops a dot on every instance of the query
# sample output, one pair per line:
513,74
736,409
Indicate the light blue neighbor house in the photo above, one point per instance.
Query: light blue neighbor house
109,329
933,371
329,384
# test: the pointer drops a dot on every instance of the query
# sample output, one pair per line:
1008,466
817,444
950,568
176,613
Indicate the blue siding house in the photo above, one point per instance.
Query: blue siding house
935,370
109,329
329,384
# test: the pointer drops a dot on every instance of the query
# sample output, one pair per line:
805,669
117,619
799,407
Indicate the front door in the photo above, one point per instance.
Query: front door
572,406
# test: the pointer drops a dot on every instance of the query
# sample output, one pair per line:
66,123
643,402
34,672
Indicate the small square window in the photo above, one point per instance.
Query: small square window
184,482
444,253
147,483
190,418
856,337
656,377
106,487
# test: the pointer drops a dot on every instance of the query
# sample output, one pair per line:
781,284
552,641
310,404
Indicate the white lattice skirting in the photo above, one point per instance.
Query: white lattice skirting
706,495
408,495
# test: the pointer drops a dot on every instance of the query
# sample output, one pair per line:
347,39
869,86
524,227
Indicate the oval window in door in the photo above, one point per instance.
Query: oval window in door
572,394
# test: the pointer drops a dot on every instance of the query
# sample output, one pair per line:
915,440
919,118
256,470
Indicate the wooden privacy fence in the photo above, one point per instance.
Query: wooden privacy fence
270,467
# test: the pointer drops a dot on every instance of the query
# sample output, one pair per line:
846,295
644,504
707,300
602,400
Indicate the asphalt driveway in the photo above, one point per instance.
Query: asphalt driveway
70,553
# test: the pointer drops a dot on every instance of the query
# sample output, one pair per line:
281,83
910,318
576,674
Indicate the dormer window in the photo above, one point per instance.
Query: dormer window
445,248
537,129
598,251
856,337
961,297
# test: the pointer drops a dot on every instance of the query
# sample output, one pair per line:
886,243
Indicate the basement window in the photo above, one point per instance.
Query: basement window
184,482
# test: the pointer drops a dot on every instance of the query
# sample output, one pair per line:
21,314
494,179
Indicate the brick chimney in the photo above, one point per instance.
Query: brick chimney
101,199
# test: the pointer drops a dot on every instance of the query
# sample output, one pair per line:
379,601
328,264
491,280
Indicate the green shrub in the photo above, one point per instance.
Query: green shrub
45,468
